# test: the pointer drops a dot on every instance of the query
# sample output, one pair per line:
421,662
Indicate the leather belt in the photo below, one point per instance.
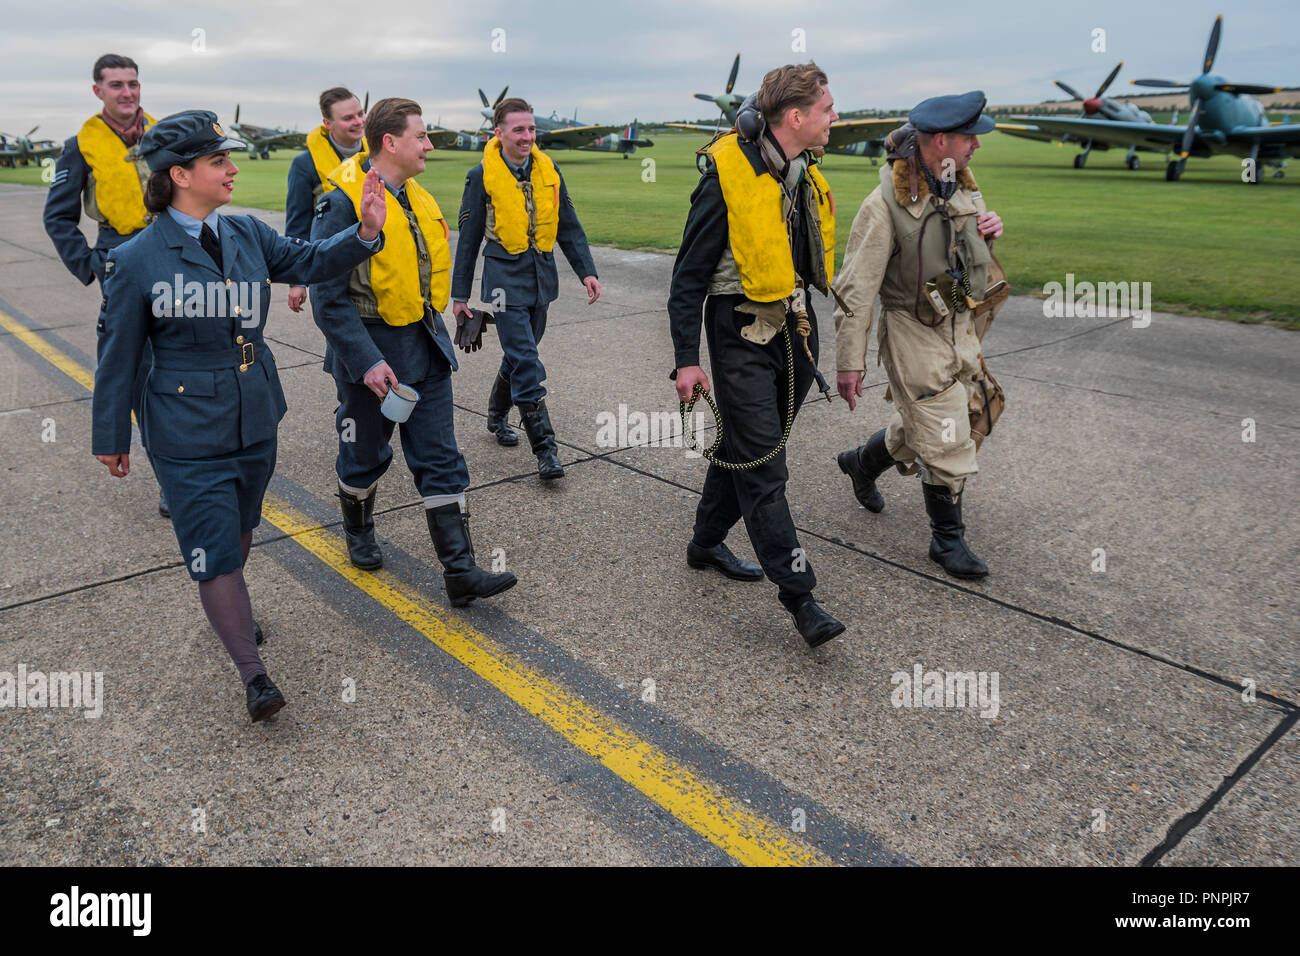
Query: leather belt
184,360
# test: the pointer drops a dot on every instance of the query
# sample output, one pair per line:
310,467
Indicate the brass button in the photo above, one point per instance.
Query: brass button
227,283
243,368
239,340
178,303
237,312
180,388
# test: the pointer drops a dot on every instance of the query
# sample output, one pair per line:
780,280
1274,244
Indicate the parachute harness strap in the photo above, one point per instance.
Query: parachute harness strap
688,435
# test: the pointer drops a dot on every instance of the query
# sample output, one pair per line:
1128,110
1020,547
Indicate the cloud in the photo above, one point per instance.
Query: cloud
612,61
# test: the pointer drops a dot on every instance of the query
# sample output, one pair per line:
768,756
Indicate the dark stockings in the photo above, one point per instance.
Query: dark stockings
230,612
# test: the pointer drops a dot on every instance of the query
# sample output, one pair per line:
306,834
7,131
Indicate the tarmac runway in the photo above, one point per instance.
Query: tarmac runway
617,707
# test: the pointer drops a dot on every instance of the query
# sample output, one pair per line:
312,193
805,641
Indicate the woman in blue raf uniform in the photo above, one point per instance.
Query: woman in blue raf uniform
196,286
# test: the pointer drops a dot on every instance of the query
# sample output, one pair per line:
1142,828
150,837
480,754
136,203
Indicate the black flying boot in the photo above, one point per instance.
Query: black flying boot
359,529
948,546
537,423
465,580
864,465
264,698
163,510
720,557
498,408
814,624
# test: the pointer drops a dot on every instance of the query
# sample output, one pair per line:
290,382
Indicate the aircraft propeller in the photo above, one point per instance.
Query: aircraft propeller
1189,137
490,106
1106,82
1091,104
724,100
1075,94
483,96
1250,89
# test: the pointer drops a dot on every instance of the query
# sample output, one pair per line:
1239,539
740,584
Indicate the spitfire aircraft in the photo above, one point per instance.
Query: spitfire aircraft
22,150
553,132
443,138
856,137
262,140
1224,119
1096,105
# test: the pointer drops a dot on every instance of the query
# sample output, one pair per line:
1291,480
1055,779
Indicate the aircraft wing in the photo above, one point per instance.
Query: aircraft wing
34,152
574,136
1154,136
699,129
856,131
1288,135
287,140
442,138
1026,131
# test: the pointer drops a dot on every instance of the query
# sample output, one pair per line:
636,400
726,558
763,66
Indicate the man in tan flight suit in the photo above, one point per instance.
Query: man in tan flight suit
920,242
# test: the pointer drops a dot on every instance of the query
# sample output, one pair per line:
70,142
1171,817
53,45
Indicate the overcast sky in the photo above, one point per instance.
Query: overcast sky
612,60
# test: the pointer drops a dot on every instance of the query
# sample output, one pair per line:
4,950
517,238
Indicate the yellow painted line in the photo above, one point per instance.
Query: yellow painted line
698,803
65,364
746,837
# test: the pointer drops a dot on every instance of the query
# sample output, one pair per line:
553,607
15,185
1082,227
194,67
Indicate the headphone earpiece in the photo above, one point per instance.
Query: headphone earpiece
749,121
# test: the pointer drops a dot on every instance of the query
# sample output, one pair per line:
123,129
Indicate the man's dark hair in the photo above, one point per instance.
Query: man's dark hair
112,61
789,87
506,107
335,94
388,116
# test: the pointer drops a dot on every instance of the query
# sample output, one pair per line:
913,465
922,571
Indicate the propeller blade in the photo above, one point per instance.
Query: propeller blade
501,97
1213,46
1248,88
1189,137
1069,89
735,68
365,107
483,96
236,114
32,130
1113,73
704,96
1164,84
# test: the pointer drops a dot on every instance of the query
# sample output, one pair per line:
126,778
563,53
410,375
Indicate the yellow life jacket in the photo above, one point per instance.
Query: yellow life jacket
395,269
760,243
119,180
323,155
514,226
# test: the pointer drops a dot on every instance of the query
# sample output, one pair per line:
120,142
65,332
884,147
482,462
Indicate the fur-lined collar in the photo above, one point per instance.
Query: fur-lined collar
903,184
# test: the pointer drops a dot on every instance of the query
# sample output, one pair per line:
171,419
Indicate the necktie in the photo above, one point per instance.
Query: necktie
208,240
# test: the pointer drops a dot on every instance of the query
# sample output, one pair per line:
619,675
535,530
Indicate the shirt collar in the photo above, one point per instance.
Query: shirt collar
195,226
343,152
399,193
518,170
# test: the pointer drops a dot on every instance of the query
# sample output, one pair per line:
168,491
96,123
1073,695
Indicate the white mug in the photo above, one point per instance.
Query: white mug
399,403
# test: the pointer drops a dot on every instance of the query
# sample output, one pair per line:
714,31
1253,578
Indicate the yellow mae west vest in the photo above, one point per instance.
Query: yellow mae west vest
394,270
515,228
759,241
324,157
119,180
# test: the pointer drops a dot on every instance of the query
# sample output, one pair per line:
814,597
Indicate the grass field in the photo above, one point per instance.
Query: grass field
1208,244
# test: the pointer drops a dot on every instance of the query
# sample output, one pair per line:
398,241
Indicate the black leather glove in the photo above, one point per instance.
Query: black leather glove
469,332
